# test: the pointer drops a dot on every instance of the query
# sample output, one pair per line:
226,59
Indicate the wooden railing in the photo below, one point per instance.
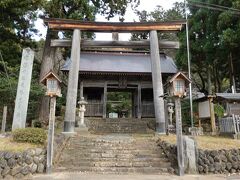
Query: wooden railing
148,109
94,109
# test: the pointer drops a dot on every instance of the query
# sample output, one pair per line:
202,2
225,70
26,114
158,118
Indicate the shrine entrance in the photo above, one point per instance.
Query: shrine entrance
142,69
120,104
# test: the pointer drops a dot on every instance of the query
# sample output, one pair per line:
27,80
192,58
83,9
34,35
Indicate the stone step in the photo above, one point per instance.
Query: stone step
113,144
113,156
115,159
116,153
113,148
88,159
114,170
116,164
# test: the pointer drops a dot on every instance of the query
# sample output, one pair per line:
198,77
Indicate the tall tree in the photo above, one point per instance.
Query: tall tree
16,30
212,42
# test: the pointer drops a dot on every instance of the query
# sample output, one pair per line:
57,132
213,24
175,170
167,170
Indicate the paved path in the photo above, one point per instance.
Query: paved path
84,176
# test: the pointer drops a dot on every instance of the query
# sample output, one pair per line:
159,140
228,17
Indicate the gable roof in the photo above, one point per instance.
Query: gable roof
120,62
50,74
179,74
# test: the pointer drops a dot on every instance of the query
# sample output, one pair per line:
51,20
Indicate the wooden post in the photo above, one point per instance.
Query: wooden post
180,155
4,119
157,83
70,115
105,100
212,115
166,116
51,134
139,113
234,123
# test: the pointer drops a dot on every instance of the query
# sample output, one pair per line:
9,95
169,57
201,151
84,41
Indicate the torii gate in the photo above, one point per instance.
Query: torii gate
76,43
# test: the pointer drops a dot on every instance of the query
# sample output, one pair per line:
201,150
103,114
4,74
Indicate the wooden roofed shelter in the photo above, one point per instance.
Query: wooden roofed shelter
99,72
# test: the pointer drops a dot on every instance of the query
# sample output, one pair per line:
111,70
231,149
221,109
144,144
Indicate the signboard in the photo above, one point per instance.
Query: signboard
204,109
113,115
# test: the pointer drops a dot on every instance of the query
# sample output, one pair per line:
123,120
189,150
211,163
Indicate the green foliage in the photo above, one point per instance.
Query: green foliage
30,135
87,9
119,101
219,110
186,116
214,37
159,14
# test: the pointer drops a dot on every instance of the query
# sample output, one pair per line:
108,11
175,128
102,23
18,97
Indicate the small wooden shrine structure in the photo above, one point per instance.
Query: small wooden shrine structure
95,72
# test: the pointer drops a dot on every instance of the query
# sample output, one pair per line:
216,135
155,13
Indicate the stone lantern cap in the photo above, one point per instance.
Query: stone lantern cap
82,101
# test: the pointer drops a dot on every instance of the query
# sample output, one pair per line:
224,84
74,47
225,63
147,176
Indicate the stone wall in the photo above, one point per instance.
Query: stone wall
60,141
208,161
170,150
219,161
24,164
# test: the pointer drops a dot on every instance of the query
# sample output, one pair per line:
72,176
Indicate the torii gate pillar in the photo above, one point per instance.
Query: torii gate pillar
157,83
70,114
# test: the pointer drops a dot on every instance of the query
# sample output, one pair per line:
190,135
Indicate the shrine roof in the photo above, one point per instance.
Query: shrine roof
120,63
228,97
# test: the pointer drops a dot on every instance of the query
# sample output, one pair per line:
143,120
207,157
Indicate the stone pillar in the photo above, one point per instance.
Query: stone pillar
4,119
157,83
190,152
139,100
70,115
24,83
105,100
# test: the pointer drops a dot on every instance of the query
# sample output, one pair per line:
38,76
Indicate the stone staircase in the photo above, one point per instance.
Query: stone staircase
125,125
114,154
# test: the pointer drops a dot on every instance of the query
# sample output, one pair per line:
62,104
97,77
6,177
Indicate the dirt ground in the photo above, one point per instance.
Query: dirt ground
85,176
208,142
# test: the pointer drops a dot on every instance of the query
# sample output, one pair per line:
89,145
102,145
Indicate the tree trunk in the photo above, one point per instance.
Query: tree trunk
209,80
46,66
215,77
232,78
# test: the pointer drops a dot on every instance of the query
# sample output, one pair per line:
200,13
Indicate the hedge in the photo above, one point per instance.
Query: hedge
30,135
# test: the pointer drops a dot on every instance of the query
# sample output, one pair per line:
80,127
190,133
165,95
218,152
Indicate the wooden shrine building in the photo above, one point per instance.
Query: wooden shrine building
102,72
94,68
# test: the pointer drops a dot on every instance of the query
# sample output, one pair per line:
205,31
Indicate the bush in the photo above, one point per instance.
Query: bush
30,135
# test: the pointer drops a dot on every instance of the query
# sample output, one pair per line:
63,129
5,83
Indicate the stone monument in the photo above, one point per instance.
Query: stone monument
190,160
23,89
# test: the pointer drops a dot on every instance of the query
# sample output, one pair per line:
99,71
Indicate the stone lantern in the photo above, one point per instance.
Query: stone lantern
82,103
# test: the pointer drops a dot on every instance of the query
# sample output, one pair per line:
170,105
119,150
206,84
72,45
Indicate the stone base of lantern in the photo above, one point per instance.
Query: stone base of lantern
171,129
